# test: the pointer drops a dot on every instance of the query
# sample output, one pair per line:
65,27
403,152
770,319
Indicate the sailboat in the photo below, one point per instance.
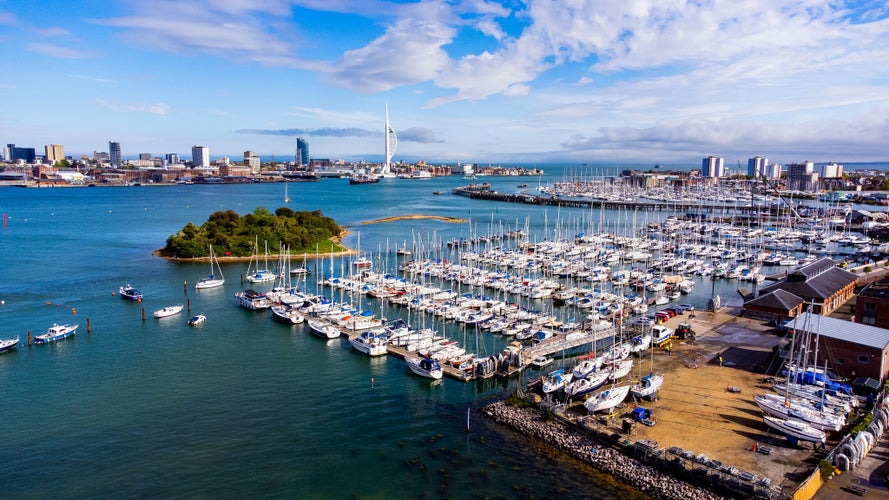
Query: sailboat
286,197
211,281
608,399
260,275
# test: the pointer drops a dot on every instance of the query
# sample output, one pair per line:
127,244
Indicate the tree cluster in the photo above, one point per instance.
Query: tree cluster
231,234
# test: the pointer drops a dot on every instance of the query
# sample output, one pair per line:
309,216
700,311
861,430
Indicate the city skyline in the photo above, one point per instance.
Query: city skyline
505,81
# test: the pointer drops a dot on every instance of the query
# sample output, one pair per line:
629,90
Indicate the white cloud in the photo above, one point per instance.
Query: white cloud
53,31
59,51
141,107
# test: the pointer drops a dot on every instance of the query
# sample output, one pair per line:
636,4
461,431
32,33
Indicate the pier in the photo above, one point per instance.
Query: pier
481,193
565,342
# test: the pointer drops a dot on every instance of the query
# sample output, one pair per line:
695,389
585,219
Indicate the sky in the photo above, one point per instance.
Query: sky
497,81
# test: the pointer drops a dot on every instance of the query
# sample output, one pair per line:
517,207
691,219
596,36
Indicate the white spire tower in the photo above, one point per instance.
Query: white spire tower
391,145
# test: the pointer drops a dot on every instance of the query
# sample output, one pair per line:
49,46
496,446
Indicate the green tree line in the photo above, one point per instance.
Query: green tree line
231,234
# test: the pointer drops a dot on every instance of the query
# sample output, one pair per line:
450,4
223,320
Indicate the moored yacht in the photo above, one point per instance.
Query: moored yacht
425,366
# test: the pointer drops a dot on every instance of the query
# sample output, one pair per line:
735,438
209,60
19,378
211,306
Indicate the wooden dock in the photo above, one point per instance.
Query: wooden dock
564,343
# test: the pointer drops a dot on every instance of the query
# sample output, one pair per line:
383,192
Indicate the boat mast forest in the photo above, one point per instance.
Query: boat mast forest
234,235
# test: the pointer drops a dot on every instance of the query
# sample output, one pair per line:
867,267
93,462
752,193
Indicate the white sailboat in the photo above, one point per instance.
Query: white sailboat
608,399
286,197
795,429
212,280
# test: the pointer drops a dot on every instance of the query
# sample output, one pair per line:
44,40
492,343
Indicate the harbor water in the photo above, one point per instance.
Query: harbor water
242,406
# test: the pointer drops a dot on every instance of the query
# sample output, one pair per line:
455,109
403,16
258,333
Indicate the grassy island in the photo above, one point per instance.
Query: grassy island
234,236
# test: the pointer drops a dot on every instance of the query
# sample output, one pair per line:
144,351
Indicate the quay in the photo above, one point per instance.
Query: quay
481,193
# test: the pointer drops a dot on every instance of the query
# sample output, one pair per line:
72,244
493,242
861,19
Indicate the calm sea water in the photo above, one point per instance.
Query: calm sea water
241,406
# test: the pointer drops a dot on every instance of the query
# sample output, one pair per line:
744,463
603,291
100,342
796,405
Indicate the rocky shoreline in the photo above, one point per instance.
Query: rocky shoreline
531,423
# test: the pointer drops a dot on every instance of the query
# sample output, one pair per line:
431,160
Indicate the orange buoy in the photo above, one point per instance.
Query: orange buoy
48,303
73,311
113,294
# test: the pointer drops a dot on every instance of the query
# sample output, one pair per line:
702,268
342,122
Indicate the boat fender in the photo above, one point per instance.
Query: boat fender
841,461
848,452
861,441
868,439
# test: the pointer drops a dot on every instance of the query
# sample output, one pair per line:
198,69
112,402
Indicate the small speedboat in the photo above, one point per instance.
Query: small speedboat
425,367
8,344
542,362
168,311
130,293
197,320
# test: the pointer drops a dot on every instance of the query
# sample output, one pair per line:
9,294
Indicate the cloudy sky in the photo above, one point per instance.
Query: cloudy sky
641,81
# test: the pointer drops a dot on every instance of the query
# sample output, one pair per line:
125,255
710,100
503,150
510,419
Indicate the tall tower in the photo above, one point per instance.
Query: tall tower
302,151
391,146
114,153
200,156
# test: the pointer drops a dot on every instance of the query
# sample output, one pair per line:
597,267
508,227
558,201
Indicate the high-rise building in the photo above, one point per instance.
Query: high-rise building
773,171
831,170
54,153
713,166
802,176
756,166
200,156
251,160
144,156
302,151
114,151
172,158
14,154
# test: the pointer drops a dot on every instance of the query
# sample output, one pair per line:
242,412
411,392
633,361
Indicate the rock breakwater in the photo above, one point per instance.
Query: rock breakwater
658,484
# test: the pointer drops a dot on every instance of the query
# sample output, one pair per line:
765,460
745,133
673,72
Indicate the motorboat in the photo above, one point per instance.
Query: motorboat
129,293
262,276
542,362
197,320
287,314
8,344
322,329
168,311
56,332
251,299
556,381
370,343
425,366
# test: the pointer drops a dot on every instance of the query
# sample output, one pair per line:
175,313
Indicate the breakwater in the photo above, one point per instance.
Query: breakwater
616,457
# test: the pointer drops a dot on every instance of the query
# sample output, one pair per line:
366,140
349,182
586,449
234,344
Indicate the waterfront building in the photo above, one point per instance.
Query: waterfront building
172,158
15,154
802,176
820,284
200,156
756,166
114,153
872,304
713,166
302,151
830,171
854,349
251,160
144,156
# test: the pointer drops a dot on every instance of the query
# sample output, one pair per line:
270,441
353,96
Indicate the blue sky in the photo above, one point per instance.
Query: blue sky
508,81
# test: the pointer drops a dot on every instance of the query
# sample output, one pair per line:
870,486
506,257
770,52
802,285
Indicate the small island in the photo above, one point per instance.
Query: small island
234,236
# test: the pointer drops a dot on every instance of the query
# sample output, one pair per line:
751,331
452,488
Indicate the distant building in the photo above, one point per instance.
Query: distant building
713,166
251,160
54,153
830,171
172,158
114,152
200,156
773,171
302,151
756,166
802,176
15,154
144,156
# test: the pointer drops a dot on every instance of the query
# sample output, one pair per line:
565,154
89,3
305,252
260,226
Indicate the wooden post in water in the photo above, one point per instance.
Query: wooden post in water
87,325
187,305
143,314
29,338
185,287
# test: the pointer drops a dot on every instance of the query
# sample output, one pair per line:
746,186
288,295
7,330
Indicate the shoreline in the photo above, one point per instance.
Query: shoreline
396,218
338,239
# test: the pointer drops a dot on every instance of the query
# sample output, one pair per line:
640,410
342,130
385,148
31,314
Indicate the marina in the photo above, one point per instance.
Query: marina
508,291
